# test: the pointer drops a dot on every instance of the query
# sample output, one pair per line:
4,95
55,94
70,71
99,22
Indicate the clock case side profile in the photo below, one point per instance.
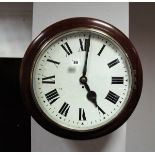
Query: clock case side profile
51,32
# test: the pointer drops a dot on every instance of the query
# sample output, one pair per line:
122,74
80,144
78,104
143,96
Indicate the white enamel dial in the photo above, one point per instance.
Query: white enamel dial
56,79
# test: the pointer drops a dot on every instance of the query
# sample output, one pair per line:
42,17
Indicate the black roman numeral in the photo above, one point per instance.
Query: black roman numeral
55,62
49,80
85,44
113,63
52,96
117,80
112,97
66,48
102,48
82,116
64,109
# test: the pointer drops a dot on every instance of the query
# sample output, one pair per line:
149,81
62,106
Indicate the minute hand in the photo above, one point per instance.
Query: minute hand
87,46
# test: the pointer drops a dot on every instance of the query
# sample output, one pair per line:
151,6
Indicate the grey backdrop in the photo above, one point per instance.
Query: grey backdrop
141,125
45,14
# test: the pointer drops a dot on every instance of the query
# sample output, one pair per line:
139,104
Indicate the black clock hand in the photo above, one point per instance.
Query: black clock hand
87,45
91,95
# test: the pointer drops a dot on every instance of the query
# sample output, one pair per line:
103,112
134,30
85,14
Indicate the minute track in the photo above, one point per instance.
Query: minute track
106,99
66,103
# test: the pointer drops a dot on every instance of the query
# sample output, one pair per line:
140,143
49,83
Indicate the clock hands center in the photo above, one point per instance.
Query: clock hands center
91,95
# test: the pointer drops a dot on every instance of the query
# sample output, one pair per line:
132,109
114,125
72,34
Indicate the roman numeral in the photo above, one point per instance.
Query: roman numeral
113,63
55,62
102,48
66,48
112,97
49,80
82,116
84,45
52,96
117,80
64,109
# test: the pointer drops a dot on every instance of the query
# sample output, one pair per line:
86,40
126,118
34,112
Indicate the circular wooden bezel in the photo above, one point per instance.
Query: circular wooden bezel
56,29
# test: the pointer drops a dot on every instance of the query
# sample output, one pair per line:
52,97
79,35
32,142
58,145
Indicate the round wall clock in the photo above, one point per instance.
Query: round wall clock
81,78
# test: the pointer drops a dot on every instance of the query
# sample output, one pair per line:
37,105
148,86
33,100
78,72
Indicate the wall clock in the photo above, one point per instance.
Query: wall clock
81,78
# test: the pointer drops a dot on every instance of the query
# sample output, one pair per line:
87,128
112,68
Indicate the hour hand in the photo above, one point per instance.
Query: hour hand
91,95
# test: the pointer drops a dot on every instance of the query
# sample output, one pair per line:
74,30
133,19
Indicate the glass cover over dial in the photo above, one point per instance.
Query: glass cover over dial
81,79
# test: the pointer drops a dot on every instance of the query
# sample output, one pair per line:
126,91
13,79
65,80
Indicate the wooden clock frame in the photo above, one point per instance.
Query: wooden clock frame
54,30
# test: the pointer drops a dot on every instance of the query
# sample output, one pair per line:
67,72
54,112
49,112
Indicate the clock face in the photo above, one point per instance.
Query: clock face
81,79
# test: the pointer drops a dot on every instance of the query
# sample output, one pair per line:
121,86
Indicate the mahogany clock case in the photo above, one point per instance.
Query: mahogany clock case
54,30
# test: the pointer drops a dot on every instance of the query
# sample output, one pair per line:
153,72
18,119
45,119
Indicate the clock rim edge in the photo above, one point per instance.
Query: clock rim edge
51,31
